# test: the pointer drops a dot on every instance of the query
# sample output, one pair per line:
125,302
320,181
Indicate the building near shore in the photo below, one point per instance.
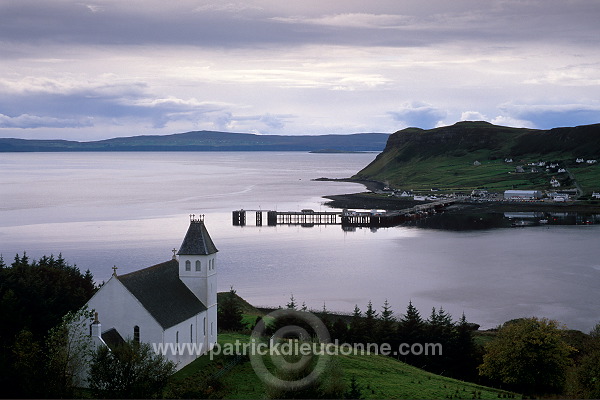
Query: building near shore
173,303
522,194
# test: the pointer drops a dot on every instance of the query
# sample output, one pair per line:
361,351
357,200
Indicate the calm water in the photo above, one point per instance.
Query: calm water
131,209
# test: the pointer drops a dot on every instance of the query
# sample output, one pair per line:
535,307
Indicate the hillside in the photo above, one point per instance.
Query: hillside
207,141
380,378
469,155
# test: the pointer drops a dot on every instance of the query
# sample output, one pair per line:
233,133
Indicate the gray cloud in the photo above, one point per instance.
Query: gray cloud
159,66
546,116
156,22
418,114
26,121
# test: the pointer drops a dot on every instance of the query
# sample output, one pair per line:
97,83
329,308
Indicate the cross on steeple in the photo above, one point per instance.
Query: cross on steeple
115,268
174,253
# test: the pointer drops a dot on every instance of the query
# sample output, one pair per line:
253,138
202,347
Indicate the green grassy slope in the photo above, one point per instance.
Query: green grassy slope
379,377
444,157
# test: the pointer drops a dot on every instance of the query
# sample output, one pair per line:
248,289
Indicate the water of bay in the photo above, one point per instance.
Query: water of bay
131,209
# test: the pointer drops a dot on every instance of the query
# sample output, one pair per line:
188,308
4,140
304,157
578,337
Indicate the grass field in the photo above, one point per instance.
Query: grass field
378,376
449,174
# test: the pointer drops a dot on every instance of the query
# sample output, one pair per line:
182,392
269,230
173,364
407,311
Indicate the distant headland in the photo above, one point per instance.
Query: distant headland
209,141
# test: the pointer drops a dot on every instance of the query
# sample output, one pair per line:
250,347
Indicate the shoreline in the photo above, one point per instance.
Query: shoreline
371,200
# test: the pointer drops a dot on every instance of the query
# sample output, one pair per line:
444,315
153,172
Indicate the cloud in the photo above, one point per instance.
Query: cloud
352,20
570,75
26,121
418,114
546,116
228,121
272,121
227,7
502,120
472,116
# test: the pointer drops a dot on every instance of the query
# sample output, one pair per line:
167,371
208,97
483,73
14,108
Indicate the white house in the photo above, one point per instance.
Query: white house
522,194
169,304
554,182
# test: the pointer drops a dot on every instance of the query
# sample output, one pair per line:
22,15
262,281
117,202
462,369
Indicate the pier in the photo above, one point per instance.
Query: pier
346,218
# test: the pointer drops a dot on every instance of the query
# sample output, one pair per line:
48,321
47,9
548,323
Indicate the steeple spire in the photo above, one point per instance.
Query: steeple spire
197,241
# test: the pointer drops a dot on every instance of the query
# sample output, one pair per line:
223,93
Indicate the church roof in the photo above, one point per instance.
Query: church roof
197,241
162,293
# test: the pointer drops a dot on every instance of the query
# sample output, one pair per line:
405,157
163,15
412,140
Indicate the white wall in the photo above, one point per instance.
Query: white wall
118,308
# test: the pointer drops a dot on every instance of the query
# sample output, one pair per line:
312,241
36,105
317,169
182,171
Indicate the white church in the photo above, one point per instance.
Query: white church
172,302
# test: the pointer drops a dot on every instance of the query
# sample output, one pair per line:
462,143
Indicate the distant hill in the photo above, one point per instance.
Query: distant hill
207,141
469,155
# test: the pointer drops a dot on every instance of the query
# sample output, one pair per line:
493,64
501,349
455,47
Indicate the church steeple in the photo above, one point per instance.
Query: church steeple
197,241
197,262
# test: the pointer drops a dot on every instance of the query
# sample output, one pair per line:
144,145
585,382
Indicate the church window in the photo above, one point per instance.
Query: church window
177,337
204,326
211,328
188,265
136,334
198,266
191,333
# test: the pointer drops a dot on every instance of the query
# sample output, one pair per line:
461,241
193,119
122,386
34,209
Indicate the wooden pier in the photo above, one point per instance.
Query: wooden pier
346,218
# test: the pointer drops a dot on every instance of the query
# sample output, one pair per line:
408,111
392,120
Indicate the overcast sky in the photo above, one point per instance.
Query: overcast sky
80,70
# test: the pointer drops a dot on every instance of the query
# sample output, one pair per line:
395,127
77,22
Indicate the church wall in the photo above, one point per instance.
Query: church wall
118,308
181,334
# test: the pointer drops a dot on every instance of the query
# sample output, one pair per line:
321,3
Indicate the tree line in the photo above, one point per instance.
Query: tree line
533,356
46,350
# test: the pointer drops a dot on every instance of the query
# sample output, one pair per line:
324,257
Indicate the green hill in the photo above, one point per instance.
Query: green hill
379,377
469,155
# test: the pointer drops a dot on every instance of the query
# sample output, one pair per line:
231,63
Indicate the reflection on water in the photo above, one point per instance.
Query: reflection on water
515,219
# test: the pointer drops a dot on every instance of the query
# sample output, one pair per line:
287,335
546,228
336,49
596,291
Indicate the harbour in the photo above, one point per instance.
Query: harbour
345,218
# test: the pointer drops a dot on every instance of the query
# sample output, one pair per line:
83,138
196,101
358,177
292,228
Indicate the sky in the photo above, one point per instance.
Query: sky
89,70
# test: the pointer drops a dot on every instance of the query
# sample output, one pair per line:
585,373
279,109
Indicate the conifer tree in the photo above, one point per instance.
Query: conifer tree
465,353
230,314
411,329
370,324
354,391
356,331
385,328
292,304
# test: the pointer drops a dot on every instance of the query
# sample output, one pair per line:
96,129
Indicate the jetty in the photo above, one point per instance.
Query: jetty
345,218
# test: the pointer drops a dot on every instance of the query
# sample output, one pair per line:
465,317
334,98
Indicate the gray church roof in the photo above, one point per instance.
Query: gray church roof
162,293
197,241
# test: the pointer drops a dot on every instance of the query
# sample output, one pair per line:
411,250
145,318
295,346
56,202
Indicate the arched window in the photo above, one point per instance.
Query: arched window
188,265
191,333
204,326
177,337
198,265
211,328
136,334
